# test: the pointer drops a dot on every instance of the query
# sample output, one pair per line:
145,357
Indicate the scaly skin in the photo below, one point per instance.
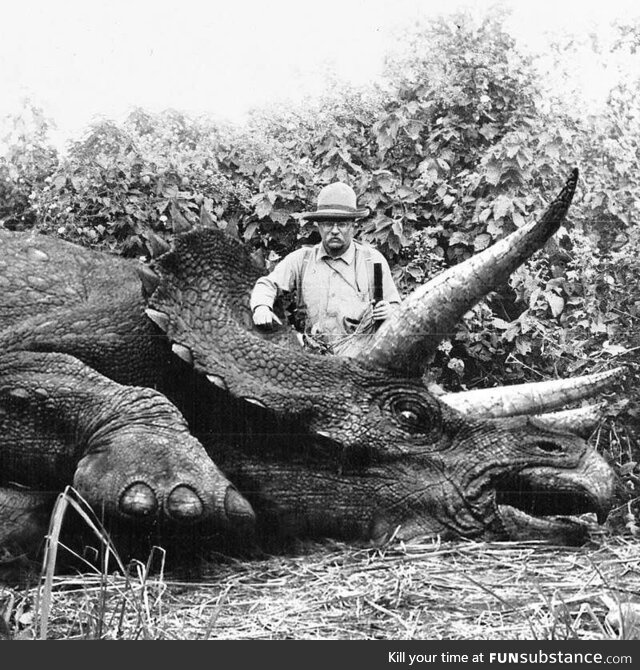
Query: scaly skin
409,464
126,450
361,450
41,274
318,445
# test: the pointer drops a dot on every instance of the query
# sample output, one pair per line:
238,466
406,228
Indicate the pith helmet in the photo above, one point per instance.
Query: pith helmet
336,201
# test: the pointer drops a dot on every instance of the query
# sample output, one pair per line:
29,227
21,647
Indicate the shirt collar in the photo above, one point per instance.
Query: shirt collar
347,256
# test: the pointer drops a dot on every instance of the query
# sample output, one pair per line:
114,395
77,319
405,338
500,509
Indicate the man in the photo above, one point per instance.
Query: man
338,287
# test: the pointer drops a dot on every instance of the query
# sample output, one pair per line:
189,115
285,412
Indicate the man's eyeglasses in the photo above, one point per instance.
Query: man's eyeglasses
328,225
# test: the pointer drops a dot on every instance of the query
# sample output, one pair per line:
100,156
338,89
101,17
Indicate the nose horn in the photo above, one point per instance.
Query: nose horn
138,500
184,504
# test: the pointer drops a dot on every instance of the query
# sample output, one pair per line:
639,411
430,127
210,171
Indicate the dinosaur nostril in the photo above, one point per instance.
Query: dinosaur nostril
184,503
138,500
549,446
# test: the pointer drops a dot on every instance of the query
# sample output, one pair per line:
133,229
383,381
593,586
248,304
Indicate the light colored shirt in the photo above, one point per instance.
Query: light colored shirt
335,291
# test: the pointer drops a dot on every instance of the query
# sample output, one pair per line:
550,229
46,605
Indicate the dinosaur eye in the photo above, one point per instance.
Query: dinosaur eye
413,415
409,416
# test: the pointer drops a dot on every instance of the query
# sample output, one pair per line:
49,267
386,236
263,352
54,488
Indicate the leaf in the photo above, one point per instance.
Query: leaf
484,214
494,228
179,223
250,230
280,216
231,226
555,301
406,194
482,241
599,326
393,241
523,345
533,298
523,159
502,206
385,182
263,207
500,323
553,151
170,191
78,183
459,238
206,219
397,227
614,349
416,272
383,222
457,365
384,138
512,150
628,468
428,166
413,129
489,131
493,173
442,191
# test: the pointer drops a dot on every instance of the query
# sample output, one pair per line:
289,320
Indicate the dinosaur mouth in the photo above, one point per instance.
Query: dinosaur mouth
521,493
534,505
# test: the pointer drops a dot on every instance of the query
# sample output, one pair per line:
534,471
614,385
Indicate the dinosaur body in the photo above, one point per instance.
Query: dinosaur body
353,447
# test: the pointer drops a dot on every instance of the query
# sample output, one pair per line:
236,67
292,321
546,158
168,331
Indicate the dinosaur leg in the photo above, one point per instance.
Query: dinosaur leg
127,450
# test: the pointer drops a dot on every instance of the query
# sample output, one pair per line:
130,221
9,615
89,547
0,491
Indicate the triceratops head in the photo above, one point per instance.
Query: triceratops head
354,445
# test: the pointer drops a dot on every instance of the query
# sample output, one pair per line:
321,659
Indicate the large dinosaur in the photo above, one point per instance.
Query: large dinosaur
351,445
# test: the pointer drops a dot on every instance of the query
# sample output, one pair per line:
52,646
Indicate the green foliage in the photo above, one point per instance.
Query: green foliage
120,186
461,143
26,160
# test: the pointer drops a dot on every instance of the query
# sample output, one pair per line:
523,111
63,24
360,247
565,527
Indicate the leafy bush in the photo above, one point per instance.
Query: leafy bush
460,144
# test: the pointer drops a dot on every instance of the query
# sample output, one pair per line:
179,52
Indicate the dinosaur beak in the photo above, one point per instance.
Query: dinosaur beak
544,502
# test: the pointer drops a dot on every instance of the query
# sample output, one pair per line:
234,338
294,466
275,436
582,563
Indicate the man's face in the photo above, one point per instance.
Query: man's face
336,235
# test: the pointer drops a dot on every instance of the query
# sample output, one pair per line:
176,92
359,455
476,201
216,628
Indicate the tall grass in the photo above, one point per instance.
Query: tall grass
119,600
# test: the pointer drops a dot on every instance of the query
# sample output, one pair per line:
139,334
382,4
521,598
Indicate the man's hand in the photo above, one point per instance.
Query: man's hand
264,317
382,310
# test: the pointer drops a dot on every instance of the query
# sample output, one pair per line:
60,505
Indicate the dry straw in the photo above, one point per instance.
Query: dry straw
421,590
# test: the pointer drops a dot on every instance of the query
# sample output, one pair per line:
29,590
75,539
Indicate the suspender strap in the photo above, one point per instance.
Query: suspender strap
371,273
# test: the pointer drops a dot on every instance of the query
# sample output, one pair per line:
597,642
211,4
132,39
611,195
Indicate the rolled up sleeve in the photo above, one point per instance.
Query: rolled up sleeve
282,278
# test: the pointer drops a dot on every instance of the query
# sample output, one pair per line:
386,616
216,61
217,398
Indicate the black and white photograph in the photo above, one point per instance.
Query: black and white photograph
321,321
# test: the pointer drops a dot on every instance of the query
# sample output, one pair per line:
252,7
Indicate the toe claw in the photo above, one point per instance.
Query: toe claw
237,507
138,500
